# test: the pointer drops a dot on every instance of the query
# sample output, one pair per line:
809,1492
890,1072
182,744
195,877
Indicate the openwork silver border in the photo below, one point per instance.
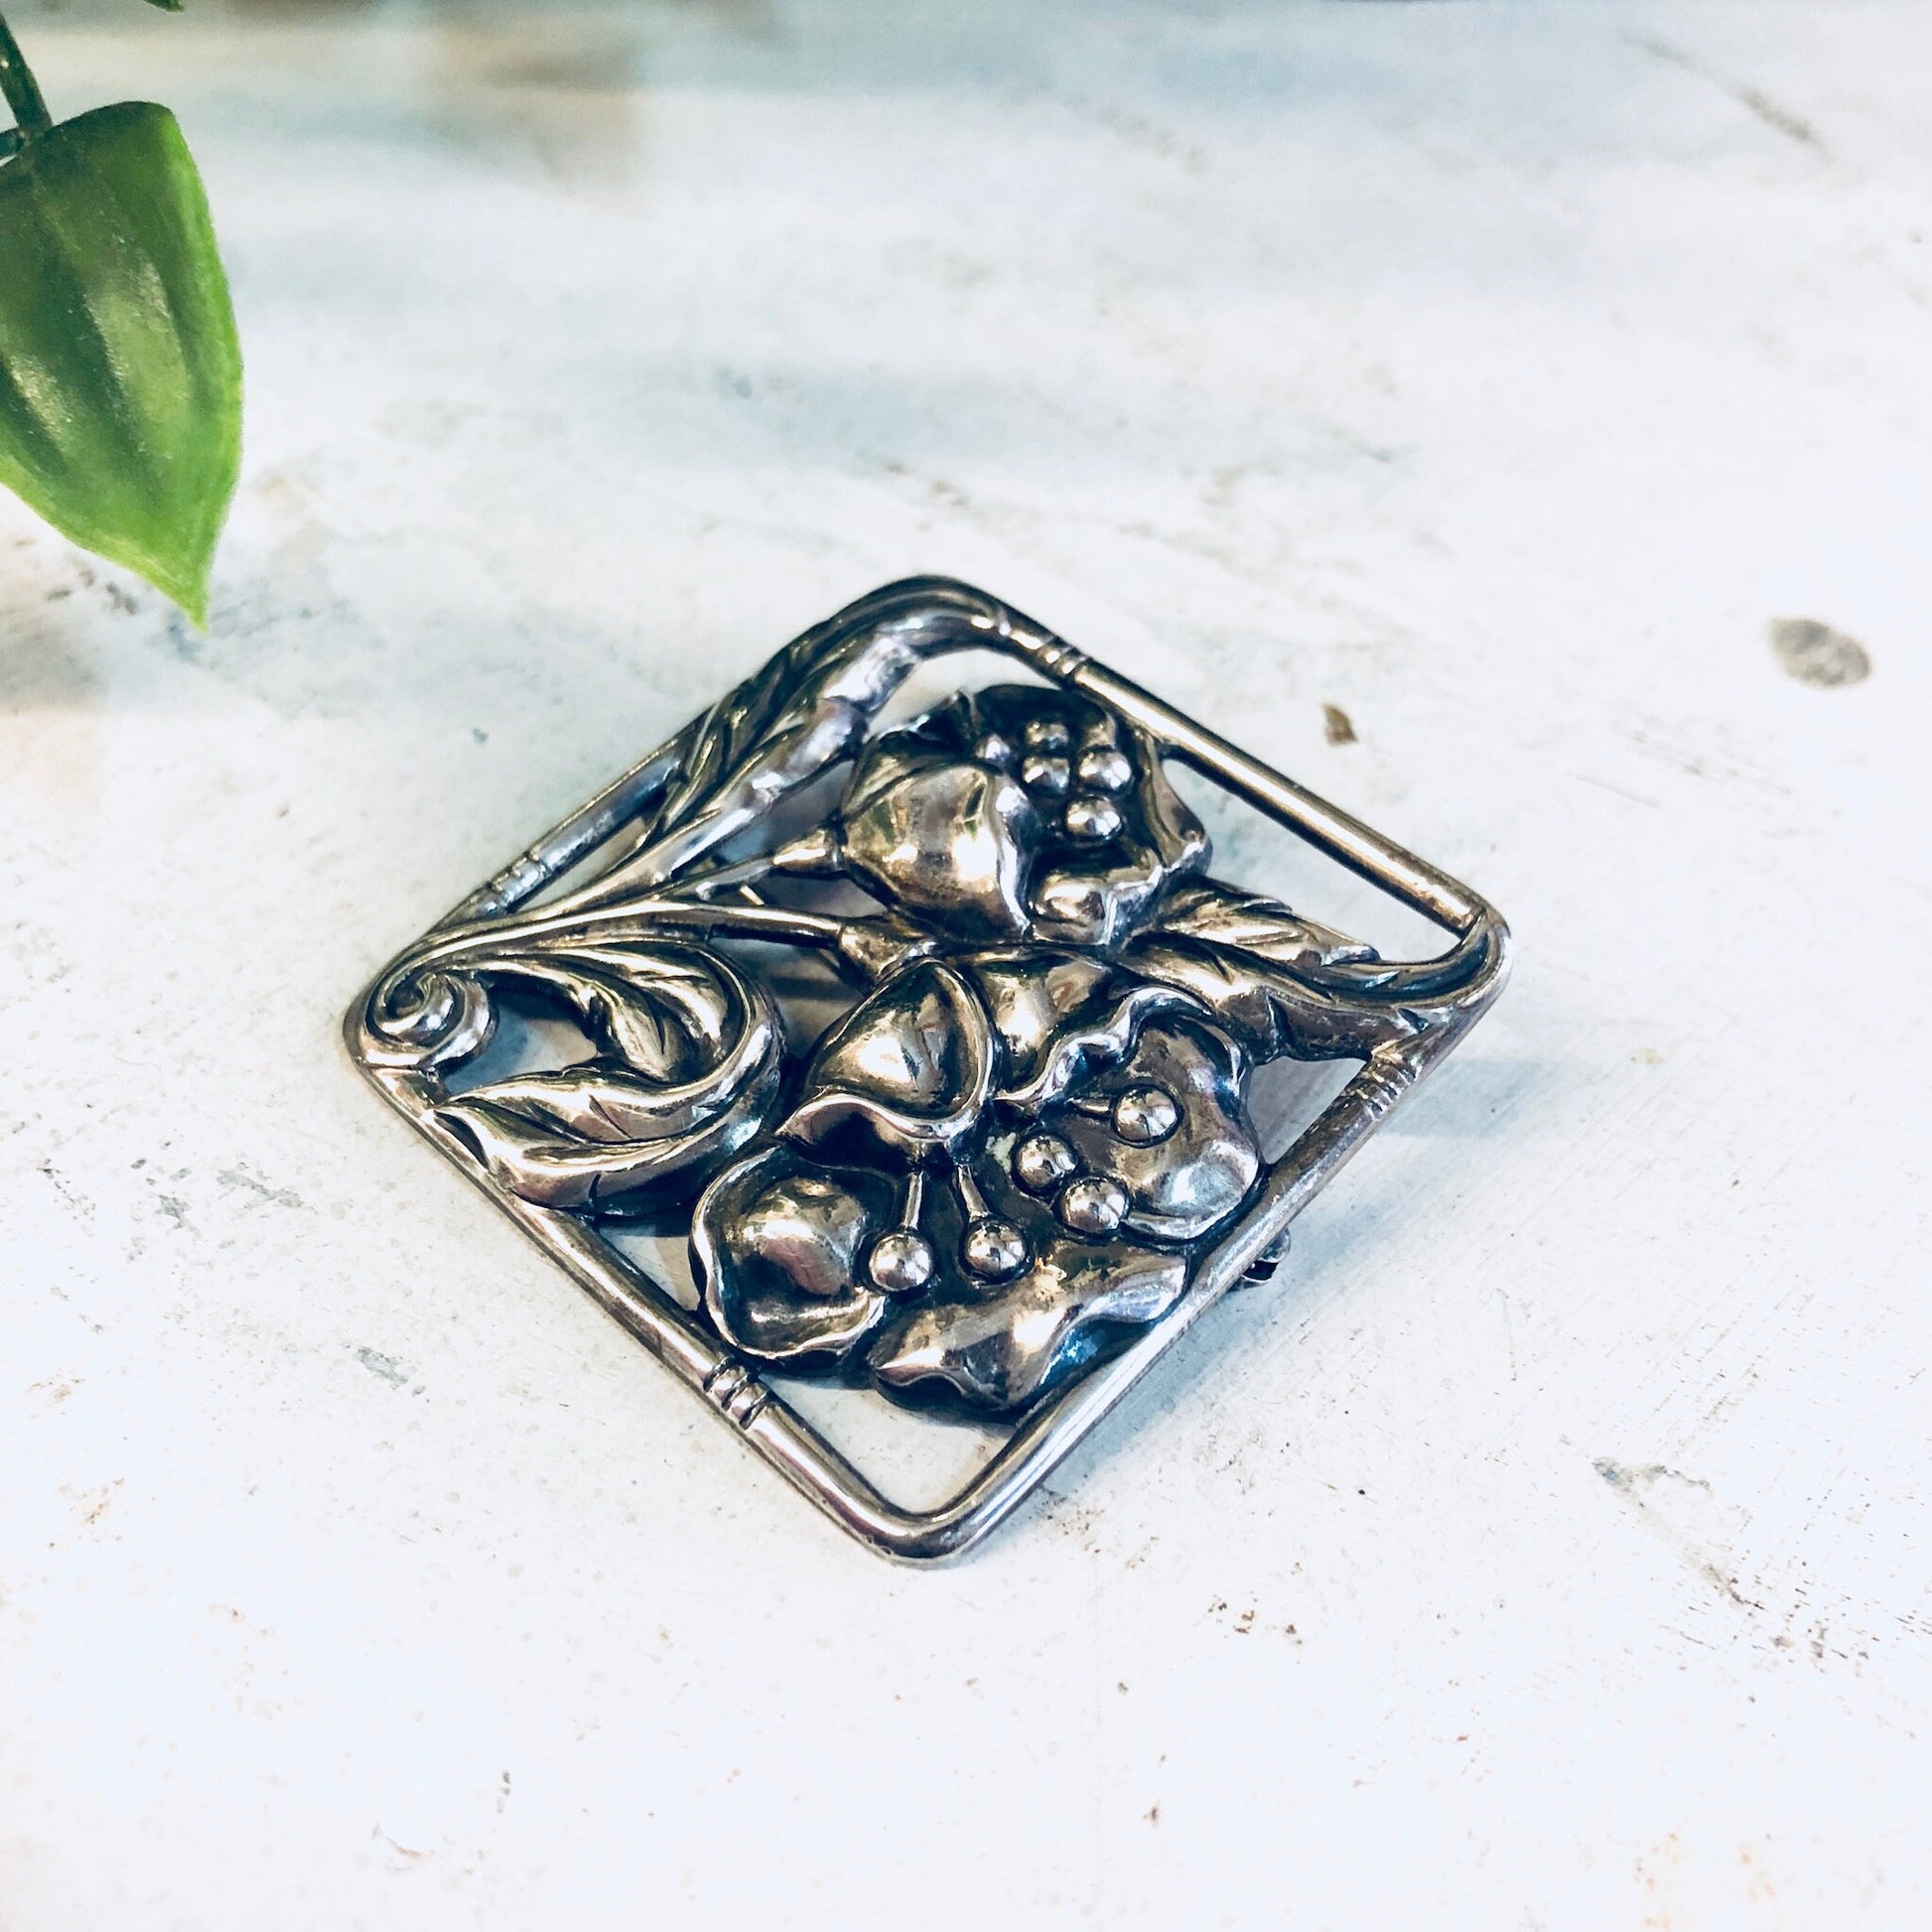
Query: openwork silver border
932,616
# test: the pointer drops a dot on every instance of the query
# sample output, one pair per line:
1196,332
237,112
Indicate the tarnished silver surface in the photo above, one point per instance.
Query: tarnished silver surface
1022,1162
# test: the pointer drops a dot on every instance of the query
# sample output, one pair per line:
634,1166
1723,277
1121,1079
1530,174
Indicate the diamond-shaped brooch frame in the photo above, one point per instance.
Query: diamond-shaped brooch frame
1005,1178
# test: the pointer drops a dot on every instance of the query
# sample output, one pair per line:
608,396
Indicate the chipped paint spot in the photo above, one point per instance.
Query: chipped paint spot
385,1367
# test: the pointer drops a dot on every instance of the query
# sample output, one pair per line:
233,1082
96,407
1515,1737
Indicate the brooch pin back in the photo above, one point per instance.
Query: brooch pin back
934,1040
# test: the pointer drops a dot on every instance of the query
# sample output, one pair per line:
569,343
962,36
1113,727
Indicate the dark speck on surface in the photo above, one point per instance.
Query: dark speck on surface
1815,653
1336,724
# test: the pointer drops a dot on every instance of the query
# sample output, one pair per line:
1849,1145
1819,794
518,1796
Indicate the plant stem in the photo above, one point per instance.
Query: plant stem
22,91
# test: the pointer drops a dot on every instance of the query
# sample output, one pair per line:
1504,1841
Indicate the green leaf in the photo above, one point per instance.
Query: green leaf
120,376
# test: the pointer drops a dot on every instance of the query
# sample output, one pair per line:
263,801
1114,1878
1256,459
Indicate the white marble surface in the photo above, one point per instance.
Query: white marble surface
1548,1548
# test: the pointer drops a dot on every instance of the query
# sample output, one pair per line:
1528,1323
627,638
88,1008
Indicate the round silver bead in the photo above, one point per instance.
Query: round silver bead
994,750
1092,1206
1050,774
1106,769
1048,734
1041,1162
1091,818
993,1250
902,1262
1144,1115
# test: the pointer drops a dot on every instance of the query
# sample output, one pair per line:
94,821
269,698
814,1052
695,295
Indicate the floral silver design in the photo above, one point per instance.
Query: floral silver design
1022,1161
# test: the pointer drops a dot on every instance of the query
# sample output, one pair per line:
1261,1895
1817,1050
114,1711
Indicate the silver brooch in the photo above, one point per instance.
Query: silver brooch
928,1035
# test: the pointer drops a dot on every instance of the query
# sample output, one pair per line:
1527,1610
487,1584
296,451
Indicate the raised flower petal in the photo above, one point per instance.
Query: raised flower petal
951,841
1031,992
910,1067
1186,1178
1018,813
781,1247
1001,1352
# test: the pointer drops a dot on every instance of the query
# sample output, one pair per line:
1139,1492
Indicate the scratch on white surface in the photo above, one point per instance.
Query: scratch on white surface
1641,1487
1775,116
